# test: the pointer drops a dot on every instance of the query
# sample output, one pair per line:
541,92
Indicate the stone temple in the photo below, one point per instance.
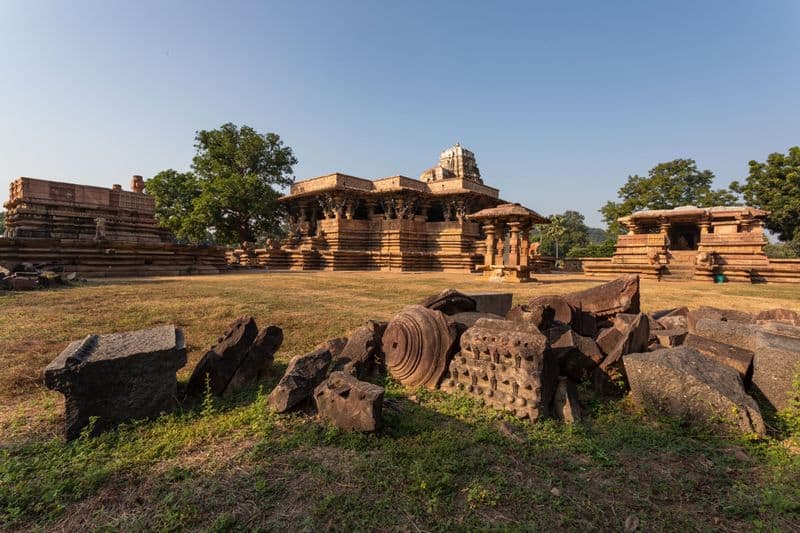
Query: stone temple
342,222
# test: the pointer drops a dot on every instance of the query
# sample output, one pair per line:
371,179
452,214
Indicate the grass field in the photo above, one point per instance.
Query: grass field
440,463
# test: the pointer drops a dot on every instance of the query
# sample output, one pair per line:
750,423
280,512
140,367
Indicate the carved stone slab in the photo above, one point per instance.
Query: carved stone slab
508,364
418,343
348,403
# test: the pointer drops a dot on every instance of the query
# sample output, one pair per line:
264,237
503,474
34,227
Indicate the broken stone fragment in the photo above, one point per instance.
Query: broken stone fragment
674,322
541,316
677,311
630,334
566,406
507,364
740,359
786,316
335,346
464,321
224,358
418,344
605,301
496,303
450,302
258,359
713,313
577,355
671,338
362,356
117,377
302,375
684,383
561,309
348,403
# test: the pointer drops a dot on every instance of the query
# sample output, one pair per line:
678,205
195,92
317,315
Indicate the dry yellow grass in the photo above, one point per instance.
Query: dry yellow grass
439,464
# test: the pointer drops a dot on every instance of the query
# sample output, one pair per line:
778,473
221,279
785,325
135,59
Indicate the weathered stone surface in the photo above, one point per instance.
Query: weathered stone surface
683,382
786,316
335,346
362,356
258,359
577,355
677,311
733,333
496,303
561,309
603,301
466,320
450,302
632,335
348,403
674,322
776,362
221,362
418,344
671,338
713,313
117,377
739,359
302,375
508,365
566,406
17,282
541,316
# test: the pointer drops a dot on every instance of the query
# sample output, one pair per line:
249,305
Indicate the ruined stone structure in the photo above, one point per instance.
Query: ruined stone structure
507,223
341,222
95,231
696,242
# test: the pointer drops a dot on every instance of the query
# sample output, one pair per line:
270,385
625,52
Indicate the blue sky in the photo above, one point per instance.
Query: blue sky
560,101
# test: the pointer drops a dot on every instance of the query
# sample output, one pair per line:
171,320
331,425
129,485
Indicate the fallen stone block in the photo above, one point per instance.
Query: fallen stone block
348,403
776,363
577,355
335,346
362,356
302,376
714,313
671,338
466,320
740,359
631,335
541,316
684,383
674,322
566,406
496,303
117,377
258,359
450,302
786,316
21,282
418,344
676,311
508,365
561,309
220,363
605,301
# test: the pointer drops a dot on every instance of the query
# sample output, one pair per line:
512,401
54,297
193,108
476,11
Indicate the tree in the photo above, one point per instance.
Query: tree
667,185
231,189
775,187
575,233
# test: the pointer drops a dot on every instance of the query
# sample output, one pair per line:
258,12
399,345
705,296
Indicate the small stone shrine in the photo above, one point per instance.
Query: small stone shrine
507,228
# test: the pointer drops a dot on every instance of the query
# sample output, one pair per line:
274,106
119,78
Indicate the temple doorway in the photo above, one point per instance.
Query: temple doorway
684,237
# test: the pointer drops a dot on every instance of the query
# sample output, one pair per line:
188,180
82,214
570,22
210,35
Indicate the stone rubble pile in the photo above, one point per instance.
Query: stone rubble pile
27,277
529,360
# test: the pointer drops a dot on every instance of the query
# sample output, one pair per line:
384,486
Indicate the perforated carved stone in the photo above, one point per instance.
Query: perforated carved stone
418,343
508,364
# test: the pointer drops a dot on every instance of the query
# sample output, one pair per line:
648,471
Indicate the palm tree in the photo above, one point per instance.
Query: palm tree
555,230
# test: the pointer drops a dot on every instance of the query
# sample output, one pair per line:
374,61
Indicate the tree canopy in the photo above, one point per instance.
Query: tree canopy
775,186
568,229
231,191
666,186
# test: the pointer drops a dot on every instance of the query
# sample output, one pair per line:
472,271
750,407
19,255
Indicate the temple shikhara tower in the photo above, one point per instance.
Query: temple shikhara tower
342,222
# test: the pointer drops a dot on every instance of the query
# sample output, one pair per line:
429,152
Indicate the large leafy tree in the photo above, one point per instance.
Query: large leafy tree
775,186
232,190
666,186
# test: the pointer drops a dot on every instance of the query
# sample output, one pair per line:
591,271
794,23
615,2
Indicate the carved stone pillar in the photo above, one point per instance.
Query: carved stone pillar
350,208
525,244
513,248
663,226
491,252
446,211
500,244
371,208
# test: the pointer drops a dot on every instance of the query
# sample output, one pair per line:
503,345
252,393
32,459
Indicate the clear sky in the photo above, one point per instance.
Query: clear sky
560,101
